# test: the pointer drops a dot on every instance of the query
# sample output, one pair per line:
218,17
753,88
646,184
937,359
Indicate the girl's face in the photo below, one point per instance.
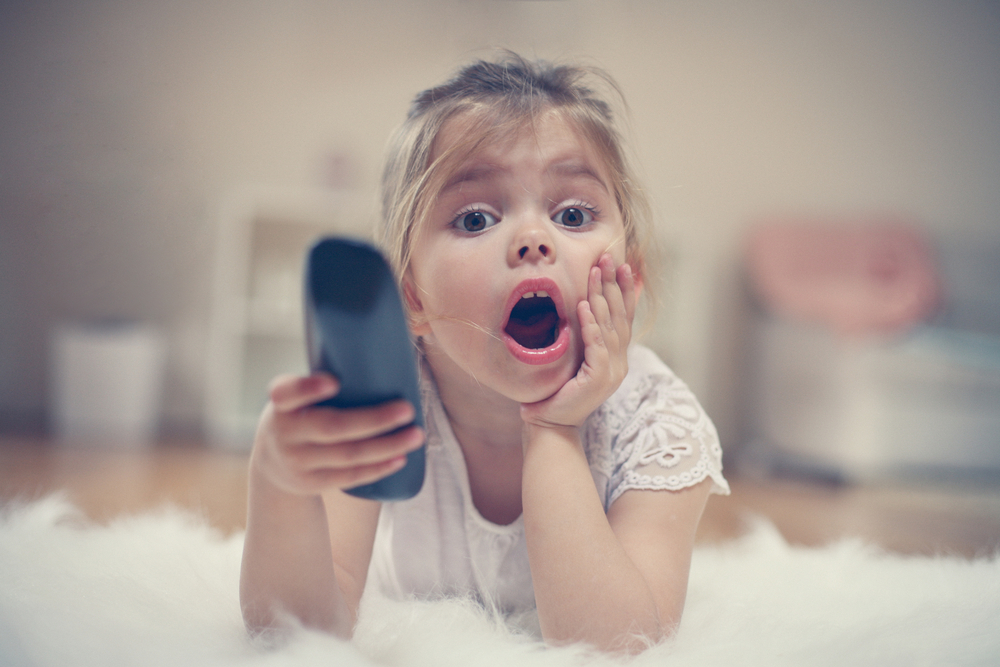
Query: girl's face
503,257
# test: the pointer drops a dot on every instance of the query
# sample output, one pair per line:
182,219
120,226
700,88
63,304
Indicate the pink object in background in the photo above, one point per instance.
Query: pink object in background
858,278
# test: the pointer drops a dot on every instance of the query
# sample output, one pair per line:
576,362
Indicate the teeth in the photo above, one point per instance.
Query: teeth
528,295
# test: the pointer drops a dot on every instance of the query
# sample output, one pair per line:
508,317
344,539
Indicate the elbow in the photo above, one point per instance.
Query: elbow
639,639
639,632
635,637
634,643
262,621
267,621
257,622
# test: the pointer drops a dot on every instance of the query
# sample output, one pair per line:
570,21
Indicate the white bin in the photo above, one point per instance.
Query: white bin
106,383
927,403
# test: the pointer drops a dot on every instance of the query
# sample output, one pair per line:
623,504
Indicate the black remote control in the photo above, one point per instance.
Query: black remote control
356,331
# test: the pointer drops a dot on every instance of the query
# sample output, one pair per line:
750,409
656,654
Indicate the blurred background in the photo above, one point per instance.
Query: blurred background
163,165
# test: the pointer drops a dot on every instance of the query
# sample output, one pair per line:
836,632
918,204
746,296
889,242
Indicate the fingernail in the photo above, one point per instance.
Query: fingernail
405,412
419,437
328,383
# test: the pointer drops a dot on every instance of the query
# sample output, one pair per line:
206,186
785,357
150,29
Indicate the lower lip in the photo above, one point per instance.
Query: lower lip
545,355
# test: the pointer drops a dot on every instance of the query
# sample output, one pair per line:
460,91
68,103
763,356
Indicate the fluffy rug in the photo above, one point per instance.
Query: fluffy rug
161,589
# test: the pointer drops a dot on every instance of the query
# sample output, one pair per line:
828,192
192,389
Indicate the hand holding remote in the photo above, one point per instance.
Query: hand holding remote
356,331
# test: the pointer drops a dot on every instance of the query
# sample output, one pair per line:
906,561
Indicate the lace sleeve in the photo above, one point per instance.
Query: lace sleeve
665,441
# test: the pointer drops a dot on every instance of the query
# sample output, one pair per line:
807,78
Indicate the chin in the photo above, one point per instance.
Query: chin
543,383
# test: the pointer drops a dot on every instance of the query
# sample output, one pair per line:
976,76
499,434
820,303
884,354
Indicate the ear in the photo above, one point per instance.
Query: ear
418,322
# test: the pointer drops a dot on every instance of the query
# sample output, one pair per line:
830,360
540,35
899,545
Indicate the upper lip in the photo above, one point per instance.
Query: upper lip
539,284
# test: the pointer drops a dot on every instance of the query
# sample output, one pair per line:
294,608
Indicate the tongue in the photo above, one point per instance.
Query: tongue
535,331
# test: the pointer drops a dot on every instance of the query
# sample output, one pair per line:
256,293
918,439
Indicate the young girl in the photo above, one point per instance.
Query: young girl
567,470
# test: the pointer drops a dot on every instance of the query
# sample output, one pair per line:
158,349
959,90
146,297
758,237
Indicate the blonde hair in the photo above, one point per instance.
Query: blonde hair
499,98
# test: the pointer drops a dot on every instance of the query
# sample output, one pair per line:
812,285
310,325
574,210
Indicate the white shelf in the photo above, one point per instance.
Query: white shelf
275,319
257,321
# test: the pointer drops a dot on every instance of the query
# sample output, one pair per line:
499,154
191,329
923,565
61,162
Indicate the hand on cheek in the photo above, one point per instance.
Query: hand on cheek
605,328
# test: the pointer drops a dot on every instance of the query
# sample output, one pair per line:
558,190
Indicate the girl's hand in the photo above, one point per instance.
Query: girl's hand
305,450
606,328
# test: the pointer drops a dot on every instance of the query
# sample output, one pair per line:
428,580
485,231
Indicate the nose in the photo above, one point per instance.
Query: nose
532,243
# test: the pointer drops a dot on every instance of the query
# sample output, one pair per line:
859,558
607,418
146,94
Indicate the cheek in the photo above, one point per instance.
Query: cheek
448,289
618,246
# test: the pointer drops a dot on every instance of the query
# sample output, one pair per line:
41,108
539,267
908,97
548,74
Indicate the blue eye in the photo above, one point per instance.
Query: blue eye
475,221
573,216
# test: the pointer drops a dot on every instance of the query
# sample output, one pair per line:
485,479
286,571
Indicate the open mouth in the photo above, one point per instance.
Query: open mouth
534,321
536,330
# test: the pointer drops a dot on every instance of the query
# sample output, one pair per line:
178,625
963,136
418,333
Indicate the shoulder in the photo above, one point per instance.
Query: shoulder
652,433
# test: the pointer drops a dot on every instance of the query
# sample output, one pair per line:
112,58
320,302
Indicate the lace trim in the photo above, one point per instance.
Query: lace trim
702,470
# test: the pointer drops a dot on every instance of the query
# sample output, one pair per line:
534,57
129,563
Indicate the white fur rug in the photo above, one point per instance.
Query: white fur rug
161,589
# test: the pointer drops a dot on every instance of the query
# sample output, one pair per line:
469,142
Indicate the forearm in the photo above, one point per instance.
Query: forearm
586,586
288,564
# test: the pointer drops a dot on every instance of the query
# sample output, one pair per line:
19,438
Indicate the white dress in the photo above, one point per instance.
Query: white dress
650,434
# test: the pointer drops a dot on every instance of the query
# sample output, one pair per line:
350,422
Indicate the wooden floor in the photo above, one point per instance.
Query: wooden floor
105,483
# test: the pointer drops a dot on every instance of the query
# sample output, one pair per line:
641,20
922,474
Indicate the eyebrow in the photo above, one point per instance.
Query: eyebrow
570,168
475,174
574,168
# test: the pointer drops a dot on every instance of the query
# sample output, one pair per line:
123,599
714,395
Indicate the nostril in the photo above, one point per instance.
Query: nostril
543,251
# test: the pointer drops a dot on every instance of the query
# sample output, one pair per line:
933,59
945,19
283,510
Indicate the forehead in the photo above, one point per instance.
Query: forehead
473,145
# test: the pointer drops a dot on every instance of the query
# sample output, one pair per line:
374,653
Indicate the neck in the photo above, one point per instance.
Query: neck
488,428
479,416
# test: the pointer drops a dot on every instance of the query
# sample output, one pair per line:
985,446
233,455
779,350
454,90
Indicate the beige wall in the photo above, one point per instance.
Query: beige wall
125,123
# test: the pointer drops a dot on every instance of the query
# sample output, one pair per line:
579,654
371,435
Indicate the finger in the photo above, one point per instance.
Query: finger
626,282
608,308
325,425
614,294
595,296
607,266
624,311
293,392
590,330
595,350
362,453
351,477
618,289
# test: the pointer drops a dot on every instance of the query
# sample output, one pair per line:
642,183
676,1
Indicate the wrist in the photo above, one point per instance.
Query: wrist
532,434
266,482
545,415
